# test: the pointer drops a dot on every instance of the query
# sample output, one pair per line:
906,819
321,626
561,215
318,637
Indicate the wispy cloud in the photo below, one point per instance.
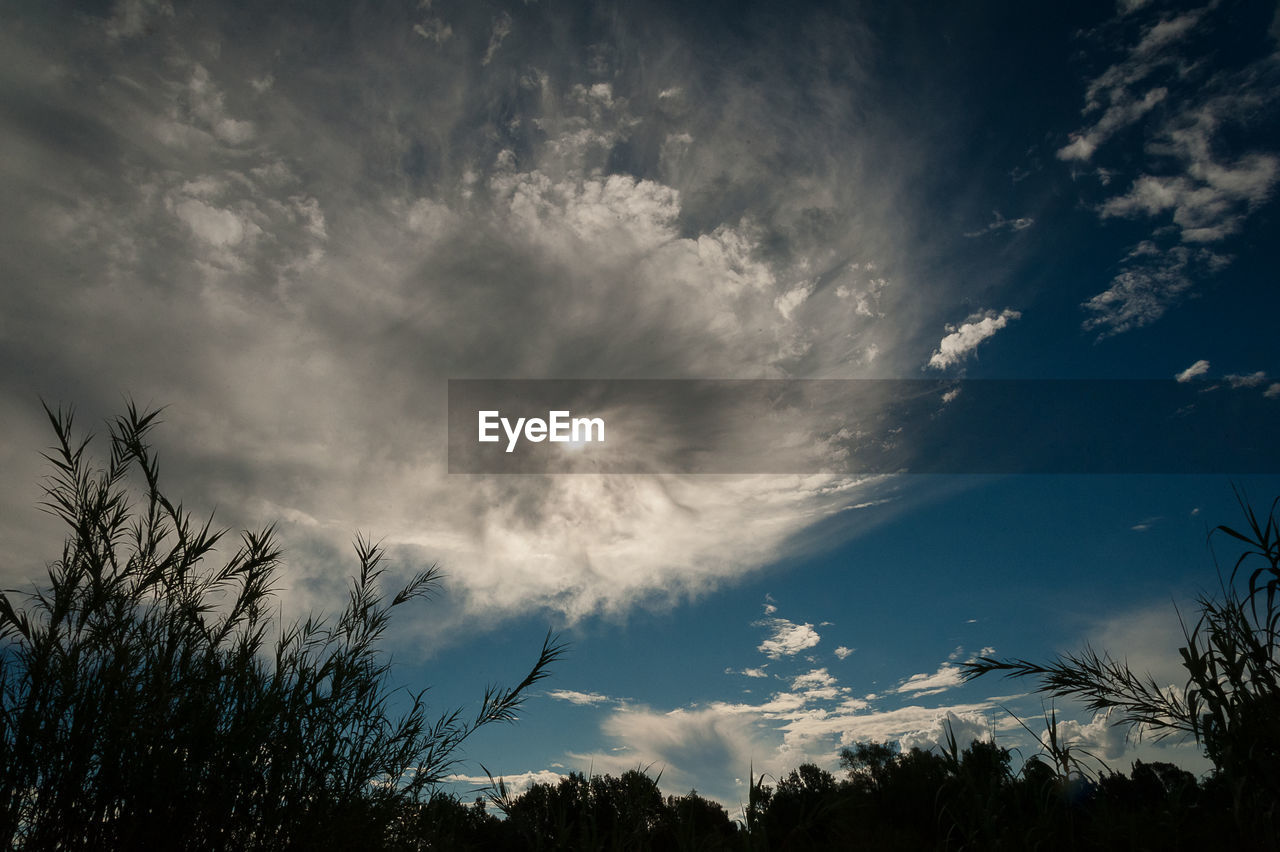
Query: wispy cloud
501,29
1249,380
999,223
948,676
583,698
1199,368
1152,281
1185,186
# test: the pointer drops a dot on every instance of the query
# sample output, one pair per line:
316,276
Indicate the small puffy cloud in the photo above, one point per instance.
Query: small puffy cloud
1199,368
1250,380
1098,737
787,638
842,652
963,727
1272,391
574,697
815,679
946,677
963,339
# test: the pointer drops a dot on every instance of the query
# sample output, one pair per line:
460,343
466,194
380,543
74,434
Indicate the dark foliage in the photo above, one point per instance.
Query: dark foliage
1230,703
150,701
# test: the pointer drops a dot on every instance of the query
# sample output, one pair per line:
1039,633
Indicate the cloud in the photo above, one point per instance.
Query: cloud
1209,202
434,29
1128,6
816,679
947,676
132,17
1186,183
501,29
1152,281
786,638
707,741
842,652
947,726
295,259
1098,738
1199,368
999,223
963,339
1250,380
1146,638
1272,391
589,699
515,784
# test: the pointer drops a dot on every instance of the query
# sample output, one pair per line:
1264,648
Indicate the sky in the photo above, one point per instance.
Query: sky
291,224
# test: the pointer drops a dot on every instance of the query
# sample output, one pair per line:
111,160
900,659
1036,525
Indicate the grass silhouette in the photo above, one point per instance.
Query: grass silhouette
151,701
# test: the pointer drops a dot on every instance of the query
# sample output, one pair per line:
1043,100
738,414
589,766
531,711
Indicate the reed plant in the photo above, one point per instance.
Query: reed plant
151,698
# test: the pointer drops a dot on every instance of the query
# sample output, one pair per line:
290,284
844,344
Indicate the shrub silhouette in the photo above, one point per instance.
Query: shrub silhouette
1230,703
149,700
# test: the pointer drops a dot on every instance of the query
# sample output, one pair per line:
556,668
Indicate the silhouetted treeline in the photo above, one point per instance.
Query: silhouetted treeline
885,800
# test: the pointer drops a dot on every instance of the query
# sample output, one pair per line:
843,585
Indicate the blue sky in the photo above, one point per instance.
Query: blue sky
291,226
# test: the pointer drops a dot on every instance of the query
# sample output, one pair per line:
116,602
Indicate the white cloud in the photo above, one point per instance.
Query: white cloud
574,697
842,652
1272,391
1199,368
1250,380
1187,185
963,728
1153,281
1211,200
1146,639
515,784
787,638
1098,738
815,679
947,676
963,339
